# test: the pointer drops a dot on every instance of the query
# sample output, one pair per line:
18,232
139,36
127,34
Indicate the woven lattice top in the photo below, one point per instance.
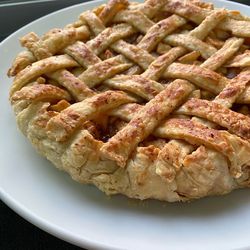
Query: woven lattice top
150,100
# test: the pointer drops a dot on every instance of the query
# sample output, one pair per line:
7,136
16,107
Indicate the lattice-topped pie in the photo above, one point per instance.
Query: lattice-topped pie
151,100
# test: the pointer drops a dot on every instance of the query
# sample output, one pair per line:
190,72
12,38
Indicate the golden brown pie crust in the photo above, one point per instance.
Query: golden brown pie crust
151,100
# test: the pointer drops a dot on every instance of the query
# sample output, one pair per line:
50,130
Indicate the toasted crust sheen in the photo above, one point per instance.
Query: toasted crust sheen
149,100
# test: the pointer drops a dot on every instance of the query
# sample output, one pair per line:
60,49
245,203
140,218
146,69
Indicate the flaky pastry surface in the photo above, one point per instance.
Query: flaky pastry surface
150,100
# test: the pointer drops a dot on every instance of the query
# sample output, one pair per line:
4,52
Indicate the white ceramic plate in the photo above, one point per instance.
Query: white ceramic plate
84,216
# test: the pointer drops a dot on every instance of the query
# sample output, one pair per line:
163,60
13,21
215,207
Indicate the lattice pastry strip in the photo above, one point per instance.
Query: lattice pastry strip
223,54
145,89
138,100
238,25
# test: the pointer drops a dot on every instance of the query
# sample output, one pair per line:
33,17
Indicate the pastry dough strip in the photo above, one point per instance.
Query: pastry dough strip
120,146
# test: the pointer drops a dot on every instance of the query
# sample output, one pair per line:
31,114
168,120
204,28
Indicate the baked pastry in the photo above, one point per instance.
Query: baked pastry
150,100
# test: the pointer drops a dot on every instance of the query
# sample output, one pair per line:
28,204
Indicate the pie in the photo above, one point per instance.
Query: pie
150,100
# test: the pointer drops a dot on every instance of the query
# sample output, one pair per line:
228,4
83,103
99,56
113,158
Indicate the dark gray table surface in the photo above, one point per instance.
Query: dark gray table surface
15,232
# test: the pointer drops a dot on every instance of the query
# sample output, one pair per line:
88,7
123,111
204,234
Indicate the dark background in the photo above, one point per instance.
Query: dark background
15,232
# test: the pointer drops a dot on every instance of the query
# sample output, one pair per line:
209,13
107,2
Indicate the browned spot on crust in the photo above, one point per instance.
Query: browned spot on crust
235,122
40,92
61,105
229,92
